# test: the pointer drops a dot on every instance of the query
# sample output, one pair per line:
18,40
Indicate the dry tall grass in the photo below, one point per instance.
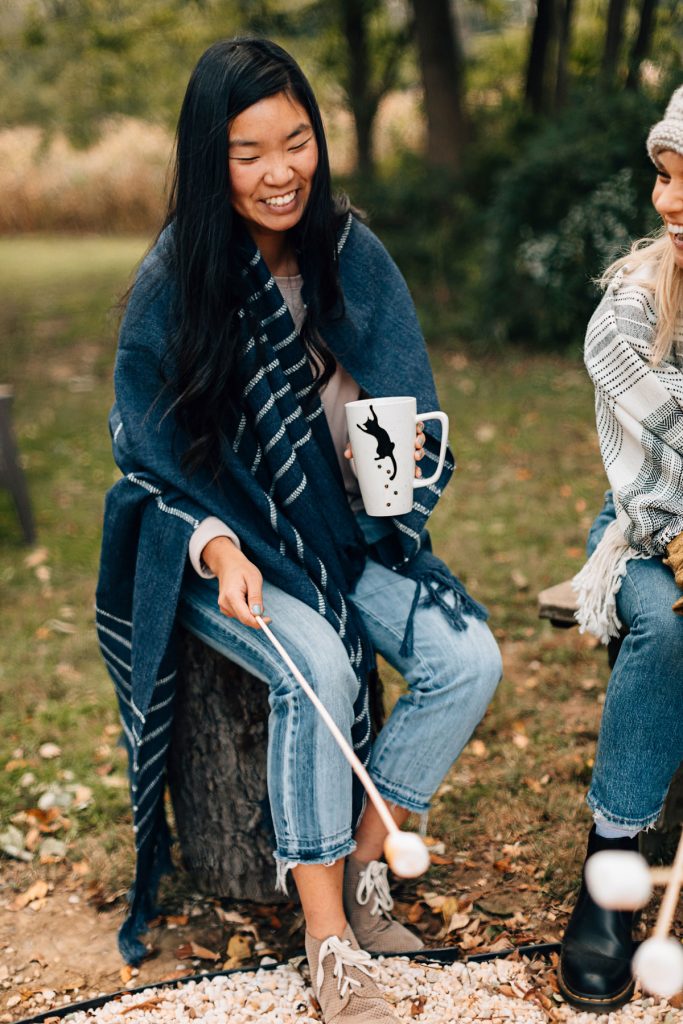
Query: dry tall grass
119,184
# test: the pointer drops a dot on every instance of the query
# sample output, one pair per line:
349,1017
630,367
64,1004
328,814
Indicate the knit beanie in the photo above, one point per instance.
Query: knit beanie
668,133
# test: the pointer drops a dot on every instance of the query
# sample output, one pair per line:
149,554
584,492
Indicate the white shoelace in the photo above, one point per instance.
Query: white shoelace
344,956
373,881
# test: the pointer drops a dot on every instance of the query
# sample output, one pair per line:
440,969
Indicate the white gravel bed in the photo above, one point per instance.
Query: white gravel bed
427,993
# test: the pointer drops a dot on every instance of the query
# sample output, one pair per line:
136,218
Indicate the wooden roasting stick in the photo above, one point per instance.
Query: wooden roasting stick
405,852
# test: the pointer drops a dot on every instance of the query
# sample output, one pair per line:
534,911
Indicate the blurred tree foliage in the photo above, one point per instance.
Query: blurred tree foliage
531,180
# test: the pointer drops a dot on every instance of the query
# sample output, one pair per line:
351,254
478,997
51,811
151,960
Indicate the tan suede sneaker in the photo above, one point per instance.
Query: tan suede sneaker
342,979
368,905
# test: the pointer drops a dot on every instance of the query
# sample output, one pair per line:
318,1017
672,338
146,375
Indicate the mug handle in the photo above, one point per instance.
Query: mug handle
443,419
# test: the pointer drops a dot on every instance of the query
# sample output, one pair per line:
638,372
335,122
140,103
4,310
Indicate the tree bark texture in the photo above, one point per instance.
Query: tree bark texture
355,15
541,75
442,67
643,40
563,47
217,776
613,41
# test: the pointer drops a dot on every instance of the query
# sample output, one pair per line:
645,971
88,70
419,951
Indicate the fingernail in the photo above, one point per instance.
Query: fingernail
257,609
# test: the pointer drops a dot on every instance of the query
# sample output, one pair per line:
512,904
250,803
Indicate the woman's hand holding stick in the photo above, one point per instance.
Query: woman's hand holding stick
240,583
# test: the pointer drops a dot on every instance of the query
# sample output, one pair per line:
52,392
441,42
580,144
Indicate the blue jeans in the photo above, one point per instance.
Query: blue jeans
451,678
640,745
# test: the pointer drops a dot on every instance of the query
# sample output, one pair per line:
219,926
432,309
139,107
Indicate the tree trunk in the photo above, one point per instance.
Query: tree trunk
641,46
363,104
541,75
217,776
564,43
613,40
442,67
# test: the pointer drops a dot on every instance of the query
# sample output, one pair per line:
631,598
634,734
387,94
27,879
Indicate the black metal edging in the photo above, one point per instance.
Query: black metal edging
445,955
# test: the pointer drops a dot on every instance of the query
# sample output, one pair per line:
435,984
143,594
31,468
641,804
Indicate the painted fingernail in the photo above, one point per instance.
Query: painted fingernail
257,609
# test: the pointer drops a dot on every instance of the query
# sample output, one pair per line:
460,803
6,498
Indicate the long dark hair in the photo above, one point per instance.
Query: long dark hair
201,367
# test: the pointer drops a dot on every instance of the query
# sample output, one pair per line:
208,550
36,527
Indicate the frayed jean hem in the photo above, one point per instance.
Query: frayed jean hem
395,795
285,864
617,821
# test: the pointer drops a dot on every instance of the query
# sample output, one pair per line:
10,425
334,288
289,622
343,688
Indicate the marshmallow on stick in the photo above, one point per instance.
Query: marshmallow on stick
405,852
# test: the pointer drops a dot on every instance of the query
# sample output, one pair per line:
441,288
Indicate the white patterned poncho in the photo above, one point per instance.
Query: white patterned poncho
639,411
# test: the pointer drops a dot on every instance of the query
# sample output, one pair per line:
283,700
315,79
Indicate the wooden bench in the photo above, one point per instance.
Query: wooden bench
11,474
558,605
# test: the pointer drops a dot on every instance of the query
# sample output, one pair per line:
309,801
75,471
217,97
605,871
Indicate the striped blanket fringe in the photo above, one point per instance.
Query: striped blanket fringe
440,583
598,583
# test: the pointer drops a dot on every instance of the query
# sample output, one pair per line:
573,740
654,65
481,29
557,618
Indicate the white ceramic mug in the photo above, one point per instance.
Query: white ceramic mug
382,436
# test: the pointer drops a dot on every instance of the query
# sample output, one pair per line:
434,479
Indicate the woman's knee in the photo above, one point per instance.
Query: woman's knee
457,659
322,660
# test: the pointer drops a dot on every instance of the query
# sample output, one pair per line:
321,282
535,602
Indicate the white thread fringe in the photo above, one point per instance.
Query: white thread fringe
599,582
283,866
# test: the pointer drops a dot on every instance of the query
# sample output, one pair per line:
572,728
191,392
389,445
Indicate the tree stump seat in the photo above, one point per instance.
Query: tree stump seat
217,775
558,604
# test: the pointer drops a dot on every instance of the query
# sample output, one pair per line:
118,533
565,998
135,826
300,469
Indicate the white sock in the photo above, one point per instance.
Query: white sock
607,831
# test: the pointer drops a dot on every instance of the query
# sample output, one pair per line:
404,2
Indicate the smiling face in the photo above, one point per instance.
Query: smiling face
667,197
272,158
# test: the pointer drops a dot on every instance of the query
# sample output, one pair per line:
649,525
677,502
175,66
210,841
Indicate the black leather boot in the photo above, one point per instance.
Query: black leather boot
595,965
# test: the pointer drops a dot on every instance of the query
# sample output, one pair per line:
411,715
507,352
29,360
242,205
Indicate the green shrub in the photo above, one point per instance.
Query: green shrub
572,201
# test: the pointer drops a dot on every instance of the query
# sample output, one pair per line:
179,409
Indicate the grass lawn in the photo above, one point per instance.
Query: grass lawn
513,521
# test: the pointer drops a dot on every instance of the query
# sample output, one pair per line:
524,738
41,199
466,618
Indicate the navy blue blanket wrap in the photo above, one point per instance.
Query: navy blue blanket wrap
280,489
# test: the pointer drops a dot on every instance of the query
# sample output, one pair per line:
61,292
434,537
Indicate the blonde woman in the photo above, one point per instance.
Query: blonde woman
632,581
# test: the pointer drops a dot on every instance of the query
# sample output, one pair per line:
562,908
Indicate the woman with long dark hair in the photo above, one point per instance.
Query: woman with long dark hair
263,307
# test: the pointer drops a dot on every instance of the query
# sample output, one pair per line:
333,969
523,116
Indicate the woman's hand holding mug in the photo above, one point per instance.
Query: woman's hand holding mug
419,448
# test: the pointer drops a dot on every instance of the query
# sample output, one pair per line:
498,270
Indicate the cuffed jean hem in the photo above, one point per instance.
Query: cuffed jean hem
285,864
620,822
394,794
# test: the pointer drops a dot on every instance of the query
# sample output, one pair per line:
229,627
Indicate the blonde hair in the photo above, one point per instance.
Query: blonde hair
664,279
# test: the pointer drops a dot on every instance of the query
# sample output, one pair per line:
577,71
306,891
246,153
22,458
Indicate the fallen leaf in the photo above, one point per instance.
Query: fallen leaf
16,762
417,1006
436,858
52,851
49,750
36,557
231,916
126,973
519,579
178,919
477,748
499,945
192,950
36,891
57,626
415,912
457,922
147,1004
239,947
502,865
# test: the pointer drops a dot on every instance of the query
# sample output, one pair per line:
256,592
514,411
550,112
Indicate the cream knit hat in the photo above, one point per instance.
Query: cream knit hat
668,133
